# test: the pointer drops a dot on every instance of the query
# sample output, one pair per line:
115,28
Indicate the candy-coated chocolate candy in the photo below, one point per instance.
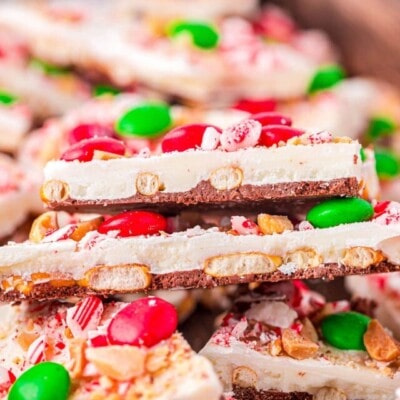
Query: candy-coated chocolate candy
203,35
84,150
326,77
340,211
144,322
48,68
7,98
363,156
256,106
100,90
134,223
380,126
345,330
273,134
271,118
185,137
146,120
387,164
44,381
88,131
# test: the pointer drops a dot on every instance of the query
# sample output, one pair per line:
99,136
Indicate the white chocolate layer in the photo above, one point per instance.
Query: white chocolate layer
180,172
186,251
286,374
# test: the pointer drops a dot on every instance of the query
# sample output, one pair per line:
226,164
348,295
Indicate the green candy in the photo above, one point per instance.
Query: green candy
387,164
49,69
203,35
44,381
345,330
100,90
7,98
363,156
147,120
380,126
325,78
340,211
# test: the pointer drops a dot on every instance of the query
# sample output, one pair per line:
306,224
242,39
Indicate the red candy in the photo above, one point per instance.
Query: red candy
185,137
256,106
83,151
146,322
88,131
134,223
271,118
273,134
380,208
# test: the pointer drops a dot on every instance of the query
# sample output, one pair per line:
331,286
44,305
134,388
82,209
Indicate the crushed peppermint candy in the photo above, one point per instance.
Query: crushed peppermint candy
244,226
211,138
273,313
289,268
241,135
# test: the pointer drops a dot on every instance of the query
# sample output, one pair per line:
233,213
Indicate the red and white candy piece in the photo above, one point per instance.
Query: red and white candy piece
88,131
7,378
134,223
85,316
36,351
60,234
244,226
186,137
304,300
241,135
387,212
144,322
83,151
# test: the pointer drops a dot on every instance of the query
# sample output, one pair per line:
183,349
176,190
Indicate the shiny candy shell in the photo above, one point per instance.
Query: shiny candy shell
271,118
134,223
387,164
145,322
326,77
83,151
88,131
185,137
203,35
273,134
380,126
256,106
345,330
340,211
7,99
146,120
44,381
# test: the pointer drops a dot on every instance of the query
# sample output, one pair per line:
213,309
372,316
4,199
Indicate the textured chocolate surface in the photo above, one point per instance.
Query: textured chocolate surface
194,279
272,197
250,393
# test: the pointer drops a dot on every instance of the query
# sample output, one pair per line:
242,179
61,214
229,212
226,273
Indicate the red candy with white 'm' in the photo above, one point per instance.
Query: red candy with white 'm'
244,226
144,322
241,135
36,351
85,316
84,150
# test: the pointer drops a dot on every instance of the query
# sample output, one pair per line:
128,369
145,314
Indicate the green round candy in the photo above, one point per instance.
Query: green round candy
380,126
363,156
100,90
345,330
44,381
48,68
203,35
146,120
325,78
387,164
7,98
340,211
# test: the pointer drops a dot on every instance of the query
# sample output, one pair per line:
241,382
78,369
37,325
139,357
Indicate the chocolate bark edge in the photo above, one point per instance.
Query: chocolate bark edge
251,393
191,280
270,197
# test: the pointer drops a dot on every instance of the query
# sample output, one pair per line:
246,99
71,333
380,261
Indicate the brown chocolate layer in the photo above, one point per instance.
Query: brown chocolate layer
250,393
192,279
272,197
